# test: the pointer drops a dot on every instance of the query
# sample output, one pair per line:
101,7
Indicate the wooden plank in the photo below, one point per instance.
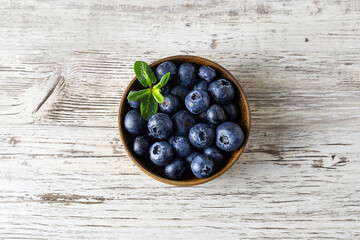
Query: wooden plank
301,90
83,174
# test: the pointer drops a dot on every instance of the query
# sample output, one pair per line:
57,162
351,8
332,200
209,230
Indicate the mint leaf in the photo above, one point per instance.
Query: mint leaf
163,81
144,73
151,96
157,95
138,95
148,107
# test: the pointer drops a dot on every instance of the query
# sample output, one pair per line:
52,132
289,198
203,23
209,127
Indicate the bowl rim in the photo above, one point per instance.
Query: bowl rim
198,180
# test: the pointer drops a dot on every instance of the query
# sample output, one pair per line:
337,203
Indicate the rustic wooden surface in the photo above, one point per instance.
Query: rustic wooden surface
64,66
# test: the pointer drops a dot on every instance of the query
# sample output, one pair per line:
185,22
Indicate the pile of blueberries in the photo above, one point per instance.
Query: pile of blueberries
195,127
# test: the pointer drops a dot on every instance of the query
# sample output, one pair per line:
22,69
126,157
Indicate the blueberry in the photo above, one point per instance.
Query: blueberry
187,74
141,145
170,105
201,135
202,85
213,126
215,154
134,104
191,157
150,137
164,68
215,114
202,116
183,121
207,73
160,126
161,153
202,166
231,111
165,89
229,136
197,101
221,91
175,169
180,92
181,145
134,123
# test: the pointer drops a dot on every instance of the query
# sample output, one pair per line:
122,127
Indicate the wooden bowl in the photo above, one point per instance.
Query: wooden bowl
188,178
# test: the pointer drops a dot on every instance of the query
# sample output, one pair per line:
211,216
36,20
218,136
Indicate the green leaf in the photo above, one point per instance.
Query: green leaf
138,95
144,73
163,81
157,95
148,107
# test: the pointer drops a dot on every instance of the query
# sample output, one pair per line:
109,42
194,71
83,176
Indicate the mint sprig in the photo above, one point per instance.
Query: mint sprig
151,96
157,95
148,107
138,95
144,73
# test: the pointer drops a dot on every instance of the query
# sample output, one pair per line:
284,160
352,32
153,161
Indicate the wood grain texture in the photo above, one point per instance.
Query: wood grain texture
64,66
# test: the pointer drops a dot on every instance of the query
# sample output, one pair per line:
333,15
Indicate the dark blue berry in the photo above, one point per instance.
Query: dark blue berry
202,166
197,101
181,145
231,111
164,68
215,114
191,157
201,135
165,89
160,126
175,169
187,74
183,121
181,93
229,136
213,126
134,123
202,85
221,91
134,104
207,73
170,105
141,145
202,116
150,137
161,153
215,154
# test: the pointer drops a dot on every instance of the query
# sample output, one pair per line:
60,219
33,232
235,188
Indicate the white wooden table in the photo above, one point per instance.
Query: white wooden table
64,66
